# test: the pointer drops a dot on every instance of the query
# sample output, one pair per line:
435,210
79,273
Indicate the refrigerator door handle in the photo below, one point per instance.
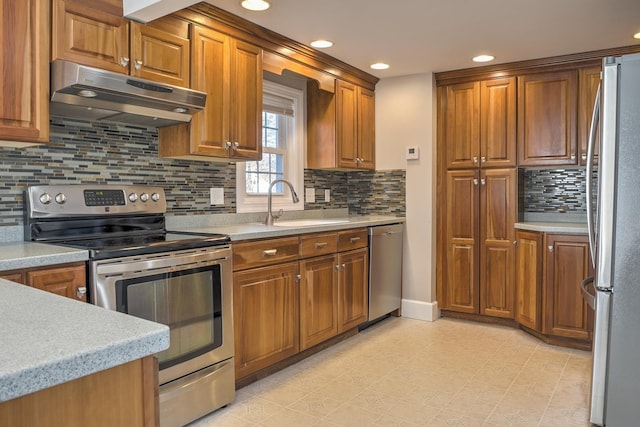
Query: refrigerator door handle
590,298
595,119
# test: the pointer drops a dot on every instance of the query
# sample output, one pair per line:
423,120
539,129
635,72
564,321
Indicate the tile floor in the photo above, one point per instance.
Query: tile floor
404,372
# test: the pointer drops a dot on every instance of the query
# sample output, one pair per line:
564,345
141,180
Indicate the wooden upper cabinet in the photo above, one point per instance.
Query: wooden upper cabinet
92,33
230,73
24,94
547,113
462,282
160,51
498,123
462,128
529,279
340,127
498,194
589,80
96,34
568,262
481,124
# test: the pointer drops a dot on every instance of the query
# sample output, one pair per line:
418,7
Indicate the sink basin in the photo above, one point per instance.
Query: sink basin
308,222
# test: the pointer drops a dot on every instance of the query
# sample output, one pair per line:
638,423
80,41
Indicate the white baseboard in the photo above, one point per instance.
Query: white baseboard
420,310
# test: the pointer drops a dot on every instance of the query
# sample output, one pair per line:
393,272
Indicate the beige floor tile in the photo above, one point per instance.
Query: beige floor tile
404,372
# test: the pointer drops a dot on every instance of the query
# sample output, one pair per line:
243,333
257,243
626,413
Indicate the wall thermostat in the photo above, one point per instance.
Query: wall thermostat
413,153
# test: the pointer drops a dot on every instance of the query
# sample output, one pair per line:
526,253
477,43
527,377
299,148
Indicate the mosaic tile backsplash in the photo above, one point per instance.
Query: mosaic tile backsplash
107,153
553,191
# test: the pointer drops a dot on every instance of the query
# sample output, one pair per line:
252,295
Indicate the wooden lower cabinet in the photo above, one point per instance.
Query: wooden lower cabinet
352,288
67,280
529,279
318,300
567,264
549,303
266,313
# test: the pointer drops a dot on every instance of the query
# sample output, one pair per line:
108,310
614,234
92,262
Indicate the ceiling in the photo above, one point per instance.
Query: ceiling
417,36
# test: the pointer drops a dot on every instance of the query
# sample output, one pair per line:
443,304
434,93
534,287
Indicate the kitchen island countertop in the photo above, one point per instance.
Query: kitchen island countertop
48,339
15,255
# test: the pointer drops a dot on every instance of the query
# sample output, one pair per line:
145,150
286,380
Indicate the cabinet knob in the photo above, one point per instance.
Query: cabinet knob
320,245
81,293
269,252
475,181
298,277
515,242
137,64
227,145
124,61
337,267
354,239
483,159
483,181
342,267
235,145
573,157
475,160
583,157
550,248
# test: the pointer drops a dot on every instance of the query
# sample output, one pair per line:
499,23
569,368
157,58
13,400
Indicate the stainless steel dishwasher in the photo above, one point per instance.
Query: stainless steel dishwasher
385,269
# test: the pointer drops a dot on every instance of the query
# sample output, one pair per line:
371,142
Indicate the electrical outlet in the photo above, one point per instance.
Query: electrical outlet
310,195
216,196
327,195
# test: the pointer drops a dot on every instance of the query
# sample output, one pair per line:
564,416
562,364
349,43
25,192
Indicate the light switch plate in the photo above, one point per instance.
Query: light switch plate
310,195
327,195
216,196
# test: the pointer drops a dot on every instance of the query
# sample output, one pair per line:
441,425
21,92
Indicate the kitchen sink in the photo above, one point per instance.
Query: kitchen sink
308,222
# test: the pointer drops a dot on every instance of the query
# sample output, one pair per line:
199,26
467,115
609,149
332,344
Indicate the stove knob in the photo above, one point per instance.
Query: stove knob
133,197
155,197
45,198
61,199
144,197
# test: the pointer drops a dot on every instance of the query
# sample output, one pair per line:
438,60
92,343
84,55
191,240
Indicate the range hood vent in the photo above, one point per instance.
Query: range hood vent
81,92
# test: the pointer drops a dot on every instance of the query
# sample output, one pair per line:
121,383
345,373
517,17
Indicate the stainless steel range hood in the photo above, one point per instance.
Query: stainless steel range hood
81,92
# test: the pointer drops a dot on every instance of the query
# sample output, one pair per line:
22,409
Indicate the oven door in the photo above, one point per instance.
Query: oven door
189,290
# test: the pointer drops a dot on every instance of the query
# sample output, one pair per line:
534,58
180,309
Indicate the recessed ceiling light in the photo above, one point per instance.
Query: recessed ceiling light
636,36
379,66
483,58
321,44
256,5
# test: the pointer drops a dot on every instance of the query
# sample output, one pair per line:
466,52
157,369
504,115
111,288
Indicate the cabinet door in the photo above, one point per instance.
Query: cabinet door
210,73
17,277
24,94
353,289
461,288
246,101
66,281
462,125
498,123
498,209
589,79
265,313
318,300
160,51
567,264
366,129
547,110
346,124
92,33
529,279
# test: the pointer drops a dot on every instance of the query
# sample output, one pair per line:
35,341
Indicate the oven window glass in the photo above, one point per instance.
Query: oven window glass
188,301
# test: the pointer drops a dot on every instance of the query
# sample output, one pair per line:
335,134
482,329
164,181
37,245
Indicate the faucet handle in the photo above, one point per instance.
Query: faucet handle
279,214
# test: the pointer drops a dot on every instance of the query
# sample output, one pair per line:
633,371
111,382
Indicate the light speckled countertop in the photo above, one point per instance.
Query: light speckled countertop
47,339
553,227
16,255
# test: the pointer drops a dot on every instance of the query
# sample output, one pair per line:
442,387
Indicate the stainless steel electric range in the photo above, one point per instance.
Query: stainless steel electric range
135,266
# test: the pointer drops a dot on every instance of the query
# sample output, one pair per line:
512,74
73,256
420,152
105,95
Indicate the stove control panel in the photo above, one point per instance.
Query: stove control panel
82,200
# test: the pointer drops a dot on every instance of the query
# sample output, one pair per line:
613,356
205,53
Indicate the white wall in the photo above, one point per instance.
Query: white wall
405,116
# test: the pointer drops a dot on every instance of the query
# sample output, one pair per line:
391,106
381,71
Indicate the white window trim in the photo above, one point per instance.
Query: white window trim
294,166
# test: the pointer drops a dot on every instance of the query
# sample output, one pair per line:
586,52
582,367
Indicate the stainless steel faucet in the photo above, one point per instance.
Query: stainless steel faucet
270,215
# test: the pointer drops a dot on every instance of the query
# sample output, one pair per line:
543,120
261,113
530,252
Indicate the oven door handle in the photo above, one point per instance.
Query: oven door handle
166,261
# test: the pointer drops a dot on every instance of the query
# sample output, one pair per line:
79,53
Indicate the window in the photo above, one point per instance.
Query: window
282,153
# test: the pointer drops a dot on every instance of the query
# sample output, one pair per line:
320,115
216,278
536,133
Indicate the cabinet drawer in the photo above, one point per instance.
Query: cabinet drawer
318,244
352,239
264,252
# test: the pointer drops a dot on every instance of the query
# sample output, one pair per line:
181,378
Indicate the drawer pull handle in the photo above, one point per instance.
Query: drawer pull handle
354,239
321,245
269,252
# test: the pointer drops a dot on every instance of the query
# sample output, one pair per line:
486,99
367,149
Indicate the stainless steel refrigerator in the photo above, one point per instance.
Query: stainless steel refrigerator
614,232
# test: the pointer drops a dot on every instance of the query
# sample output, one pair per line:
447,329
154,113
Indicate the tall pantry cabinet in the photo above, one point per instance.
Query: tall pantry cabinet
478,130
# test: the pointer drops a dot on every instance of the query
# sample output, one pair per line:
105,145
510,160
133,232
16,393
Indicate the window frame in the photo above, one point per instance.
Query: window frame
294,159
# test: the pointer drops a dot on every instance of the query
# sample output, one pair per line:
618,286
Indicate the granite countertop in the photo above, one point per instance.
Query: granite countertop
16,255
256,230
48,339
553,227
